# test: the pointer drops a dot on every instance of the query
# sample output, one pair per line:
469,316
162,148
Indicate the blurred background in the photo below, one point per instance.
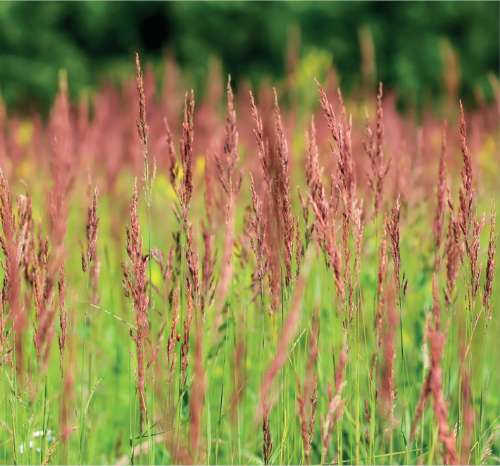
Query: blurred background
425,51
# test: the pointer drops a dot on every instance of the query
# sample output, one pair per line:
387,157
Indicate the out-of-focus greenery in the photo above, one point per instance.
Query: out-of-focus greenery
91,40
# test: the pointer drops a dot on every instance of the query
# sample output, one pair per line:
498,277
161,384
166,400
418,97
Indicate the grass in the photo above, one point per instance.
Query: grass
239,333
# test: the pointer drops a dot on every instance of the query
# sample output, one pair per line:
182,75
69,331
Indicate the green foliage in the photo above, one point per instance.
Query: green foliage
90,39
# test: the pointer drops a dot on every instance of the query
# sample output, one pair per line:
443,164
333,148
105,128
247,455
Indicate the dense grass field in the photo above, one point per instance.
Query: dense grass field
247,281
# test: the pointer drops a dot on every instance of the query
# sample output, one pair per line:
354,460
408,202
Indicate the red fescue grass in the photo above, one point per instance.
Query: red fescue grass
345,223
11,242
135,281
307,394
287,333
436,344
335,402
230,181
387,381
490,267
90,260
375,151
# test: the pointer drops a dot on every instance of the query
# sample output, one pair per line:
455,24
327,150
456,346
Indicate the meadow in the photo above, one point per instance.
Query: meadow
266,277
